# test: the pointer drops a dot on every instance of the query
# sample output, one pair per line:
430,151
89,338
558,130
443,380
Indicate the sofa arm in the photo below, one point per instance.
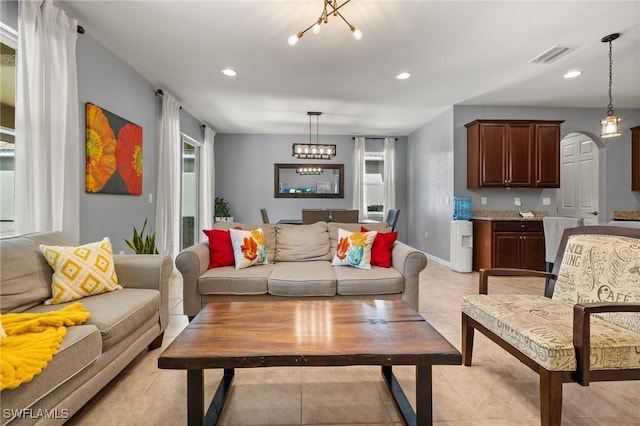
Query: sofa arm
151,271
409,262
192,262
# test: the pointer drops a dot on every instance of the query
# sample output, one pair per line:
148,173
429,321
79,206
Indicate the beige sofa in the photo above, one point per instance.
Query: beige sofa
121,325
299,266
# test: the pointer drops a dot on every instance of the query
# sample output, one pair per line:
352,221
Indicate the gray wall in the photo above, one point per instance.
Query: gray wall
432,139
103,79
430,166
245,176
9,13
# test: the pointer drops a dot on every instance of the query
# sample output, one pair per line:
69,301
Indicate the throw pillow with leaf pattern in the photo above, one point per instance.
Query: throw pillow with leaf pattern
354,249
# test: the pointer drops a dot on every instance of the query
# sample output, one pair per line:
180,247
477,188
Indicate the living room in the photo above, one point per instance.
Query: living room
430,159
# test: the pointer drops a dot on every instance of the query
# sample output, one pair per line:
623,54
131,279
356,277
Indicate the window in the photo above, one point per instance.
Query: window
189,192
8,46
374,185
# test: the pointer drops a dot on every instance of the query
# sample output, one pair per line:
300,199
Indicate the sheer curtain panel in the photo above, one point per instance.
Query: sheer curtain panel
47,153
389,173
169,180
359,201
207,183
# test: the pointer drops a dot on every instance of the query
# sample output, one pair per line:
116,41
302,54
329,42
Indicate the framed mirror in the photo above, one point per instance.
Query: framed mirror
308,181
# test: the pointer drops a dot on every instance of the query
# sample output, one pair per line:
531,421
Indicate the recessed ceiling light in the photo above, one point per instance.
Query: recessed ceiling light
572,74
403,76
229,72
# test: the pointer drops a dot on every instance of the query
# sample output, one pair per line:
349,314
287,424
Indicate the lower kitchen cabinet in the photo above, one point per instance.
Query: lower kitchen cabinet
508,244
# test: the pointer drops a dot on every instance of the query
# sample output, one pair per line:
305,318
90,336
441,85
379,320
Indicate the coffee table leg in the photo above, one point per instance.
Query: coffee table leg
399,397
215,409
424,403
195,397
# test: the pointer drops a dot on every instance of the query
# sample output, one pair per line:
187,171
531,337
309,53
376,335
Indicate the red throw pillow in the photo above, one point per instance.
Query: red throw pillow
381,248
220,248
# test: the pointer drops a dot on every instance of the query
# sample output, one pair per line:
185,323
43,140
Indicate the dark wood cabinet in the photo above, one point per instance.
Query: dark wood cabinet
547,164
635,158
513,154
508,244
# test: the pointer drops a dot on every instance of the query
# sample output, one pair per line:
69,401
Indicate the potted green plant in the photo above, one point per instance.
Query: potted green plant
142,244
222,211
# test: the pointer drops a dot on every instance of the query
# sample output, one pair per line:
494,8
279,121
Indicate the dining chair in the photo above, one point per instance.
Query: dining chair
265,217
314,215
392,218
345,216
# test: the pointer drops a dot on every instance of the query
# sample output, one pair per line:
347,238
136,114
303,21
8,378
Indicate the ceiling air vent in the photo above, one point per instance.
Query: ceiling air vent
552,54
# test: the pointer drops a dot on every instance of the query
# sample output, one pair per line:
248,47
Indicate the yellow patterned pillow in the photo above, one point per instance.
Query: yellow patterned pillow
80,271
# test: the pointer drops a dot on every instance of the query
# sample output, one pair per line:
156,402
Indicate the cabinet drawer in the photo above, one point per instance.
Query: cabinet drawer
517,226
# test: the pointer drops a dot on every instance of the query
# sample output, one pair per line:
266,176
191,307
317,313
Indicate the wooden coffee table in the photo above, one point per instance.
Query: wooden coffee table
295,333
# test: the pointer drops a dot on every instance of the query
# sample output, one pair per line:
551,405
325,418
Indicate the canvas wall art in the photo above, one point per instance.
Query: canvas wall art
113,153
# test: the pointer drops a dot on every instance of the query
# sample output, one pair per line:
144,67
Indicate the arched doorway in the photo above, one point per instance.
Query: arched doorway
579,194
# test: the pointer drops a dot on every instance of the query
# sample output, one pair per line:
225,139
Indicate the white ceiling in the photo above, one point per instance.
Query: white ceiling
471,52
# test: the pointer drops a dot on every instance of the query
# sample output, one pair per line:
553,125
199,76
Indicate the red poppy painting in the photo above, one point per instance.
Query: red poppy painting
113,153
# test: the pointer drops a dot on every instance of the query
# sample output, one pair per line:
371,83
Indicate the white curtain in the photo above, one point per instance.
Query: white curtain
47,155
169,179
389,173
359,201
206,183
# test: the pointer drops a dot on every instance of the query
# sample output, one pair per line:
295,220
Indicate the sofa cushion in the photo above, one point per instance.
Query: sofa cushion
248,248
228,280
117,314
601,268
354,249
542,329
80,271
302,279
298,243
268,230
81,346
352,281
26,275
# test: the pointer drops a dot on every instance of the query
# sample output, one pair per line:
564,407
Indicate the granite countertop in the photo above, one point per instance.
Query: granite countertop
506,215
625,215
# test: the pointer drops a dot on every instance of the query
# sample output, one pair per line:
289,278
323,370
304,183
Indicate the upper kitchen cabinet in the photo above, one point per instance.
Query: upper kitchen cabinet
513,154
635,158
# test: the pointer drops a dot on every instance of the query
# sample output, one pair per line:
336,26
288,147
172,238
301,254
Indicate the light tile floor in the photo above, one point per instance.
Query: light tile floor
497,390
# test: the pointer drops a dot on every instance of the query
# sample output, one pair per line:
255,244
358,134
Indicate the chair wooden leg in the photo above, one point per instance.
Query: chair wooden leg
467,340
550,398
157,342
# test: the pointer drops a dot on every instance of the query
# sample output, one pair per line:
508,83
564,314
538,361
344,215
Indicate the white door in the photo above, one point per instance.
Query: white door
579,176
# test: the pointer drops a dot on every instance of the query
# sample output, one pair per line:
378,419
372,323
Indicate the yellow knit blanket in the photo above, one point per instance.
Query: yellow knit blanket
32,339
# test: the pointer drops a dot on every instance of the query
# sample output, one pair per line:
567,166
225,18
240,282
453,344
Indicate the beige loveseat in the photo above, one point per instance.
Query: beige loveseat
299,266
122,323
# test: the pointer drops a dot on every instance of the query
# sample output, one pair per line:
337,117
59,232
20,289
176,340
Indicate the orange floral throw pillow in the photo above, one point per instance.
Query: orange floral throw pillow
354,249
248,247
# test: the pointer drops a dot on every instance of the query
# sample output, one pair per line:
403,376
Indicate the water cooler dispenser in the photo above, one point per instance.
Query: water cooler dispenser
461,235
